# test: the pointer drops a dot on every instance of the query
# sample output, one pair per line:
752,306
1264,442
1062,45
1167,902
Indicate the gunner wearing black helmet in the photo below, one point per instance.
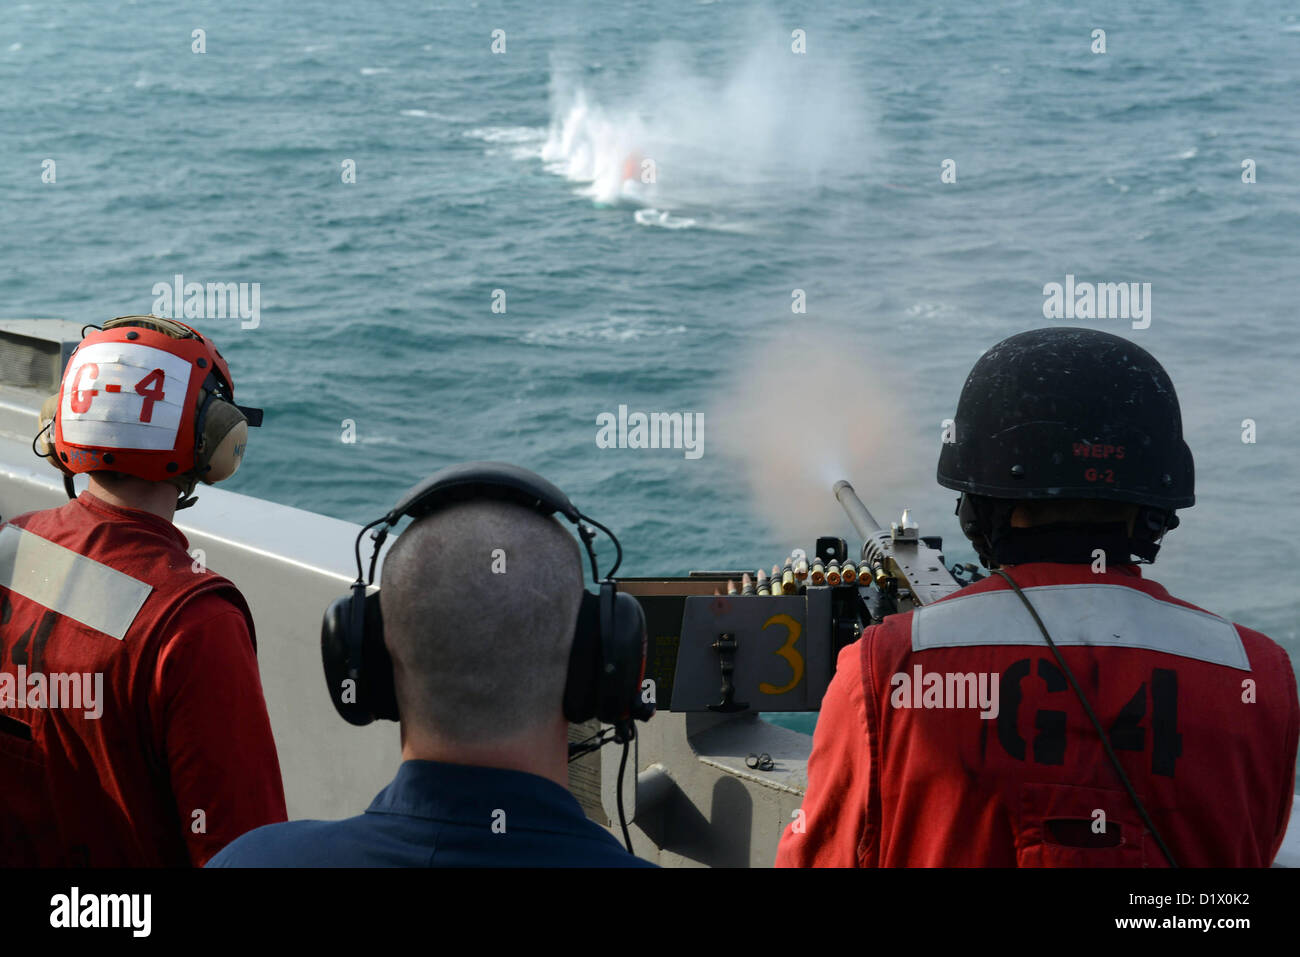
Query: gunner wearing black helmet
1131,728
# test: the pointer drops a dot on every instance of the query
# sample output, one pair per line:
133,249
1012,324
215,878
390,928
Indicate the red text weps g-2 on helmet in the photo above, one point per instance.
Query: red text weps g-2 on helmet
150,397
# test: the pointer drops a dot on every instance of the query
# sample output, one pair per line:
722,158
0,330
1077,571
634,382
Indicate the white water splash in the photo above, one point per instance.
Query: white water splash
662,219
741,135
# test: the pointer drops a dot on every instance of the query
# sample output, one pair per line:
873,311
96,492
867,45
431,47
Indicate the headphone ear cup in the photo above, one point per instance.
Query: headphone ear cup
584,662
358,668
622,668
336,651
44,444
225,436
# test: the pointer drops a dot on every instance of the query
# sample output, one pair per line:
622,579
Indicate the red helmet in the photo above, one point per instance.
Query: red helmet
150,397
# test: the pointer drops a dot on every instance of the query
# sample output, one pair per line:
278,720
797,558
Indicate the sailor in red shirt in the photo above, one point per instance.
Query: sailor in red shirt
954,735
133,730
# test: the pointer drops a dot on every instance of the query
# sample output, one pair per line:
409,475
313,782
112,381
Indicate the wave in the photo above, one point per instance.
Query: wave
662,219
614,328
427,115
507,134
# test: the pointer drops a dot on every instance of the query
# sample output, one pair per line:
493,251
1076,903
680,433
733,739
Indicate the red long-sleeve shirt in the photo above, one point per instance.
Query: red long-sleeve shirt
179,760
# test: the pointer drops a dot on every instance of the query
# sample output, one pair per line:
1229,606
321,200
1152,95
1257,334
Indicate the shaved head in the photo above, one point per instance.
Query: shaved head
480,601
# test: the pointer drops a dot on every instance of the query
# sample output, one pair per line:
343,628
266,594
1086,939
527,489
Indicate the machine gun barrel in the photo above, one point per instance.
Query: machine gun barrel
900,561
862,520
875,540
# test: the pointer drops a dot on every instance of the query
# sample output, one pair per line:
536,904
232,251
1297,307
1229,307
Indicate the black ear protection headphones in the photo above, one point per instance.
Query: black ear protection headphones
606,665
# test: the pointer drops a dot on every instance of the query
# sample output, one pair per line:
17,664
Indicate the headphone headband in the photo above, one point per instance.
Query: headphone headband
498,480
607,660
482,479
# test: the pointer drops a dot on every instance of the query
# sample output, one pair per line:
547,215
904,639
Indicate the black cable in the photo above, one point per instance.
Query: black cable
378,537
579,748
588,535
68,485
618,557
622,816
357,547
1105,741
36,438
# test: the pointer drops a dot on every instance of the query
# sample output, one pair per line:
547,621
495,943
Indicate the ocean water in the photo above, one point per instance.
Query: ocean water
779,176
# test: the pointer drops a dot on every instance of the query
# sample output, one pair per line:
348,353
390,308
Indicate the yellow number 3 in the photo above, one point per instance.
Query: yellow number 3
787,652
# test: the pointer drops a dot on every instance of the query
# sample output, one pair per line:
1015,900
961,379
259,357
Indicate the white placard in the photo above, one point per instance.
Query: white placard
114,397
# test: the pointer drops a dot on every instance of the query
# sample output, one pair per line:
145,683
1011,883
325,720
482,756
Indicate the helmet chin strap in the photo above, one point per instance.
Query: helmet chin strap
185,489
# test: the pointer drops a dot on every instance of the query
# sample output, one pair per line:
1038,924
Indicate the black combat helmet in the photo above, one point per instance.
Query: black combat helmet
1065,413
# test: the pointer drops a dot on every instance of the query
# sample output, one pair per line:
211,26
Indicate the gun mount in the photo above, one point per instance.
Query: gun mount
776,652
718,658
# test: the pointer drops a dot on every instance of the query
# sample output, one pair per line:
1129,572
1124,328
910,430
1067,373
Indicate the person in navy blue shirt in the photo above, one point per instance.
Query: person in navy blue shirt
480,661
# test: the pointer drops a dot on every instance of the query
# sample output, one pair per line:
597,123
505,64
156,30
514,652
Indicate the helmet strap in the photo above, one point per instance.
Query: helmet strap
185,491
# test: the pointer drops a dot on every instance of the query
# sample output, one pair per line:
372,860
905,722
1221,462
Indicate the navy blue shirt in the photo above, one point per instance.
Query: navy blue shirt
443,815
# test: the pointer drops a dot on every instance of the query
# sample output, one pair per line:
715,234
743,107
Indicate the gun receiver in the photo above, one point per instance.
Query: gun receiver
906,566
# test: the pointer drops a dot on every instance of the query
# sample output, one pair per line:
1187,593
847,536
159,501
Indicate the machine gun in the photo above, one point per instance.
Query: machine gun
714,782
775,649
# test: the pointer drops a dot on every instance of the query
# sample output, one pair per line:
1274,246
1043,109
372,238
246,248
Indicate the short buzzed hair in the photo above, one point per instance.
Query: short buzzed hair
480,638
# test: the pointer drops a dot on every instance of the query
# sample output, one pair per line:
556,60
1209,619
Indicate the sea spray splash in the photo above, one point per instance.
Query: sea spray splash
724,135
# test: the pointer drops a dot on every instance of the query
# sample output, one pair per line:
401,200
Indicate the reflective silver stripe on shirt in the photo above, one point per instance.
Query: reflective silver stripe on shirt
81,588
1113,616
